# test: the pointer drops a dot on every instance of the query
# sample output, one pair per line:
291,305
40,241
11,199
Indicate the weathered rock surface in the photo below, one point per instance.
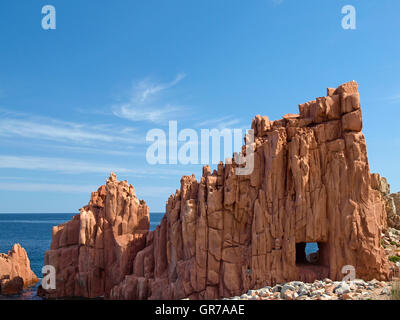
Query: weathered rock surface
313,257
392,201
94,251
390,241
15,271
394,214
226,233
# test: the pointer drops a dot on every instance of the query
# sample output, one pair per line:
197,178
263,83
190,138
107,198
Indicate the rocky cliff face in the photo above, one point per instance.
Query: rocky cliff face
15,271
226,234
393,210
392,201
92,252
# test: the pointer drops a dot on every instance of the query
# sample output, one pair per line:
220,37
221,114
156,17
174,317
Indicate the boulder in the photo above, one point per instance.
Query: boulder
15,271
11,287
313,257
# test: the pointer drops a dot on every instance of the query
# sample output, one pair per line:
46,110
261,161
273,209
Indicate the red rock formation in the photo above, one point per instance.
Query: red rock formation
226,233
392,201
15,271
94,251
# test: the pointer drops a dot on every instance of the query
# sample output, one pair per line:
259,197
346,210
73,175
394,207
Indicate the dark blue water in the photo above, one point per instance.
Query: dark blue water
33,232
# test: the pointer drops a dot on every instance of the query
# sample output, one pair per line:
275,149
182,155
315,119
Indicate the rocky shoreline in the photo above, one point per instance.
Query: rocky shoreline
322,290
229,233
327,289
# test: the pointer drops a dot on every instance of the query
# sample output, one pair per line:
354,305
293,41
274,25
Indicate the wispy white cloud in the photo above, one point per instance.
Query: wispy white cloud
394,99
55,164
220,123
277,2
46,187
2,178
146,89
72,166
102,151
44,128
52,131
132,112
141,191
144,102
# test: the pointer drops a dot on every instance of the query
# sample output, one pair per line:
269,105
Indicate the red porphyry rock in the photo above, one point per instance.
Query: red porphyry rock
94,251
15,271
226,234
229,233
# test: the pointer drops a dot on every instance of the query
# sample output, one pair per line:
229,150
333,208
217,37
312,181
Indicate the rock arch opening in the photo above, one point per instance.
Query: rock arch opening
312,261
308,253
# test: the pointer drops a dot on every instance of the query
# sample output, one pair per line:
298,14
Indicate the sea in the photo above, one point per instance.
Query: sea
33,232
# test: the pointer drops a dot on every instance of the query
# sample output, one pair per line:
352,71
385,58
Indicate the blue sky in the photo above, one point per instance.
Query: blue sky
77,102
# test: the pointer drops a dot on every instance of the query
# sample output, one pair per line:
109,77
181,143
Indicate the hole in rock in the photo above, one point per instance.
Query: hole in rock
312,261
307,253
